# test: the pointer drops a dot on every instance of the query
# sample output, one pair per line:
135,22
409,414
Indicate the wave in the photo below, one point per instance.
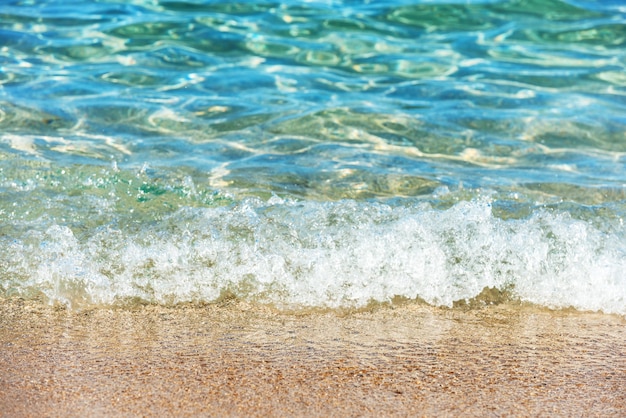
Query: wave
302,254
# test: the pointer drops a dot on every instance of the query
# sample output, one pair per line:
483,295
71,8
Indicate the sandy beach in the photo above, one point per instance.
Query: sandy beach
234,359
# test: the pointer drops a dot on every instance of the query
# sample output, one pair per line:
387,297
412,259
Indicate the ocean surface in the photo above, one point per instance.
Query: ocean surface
314,154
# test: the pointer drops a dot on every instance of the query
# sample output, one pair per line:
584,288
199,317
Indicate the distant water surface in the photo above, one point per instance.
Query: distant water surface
313,154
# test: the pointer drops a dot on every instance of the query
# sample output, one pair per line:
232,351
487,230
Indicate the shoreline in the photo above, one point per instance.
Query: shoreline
235,359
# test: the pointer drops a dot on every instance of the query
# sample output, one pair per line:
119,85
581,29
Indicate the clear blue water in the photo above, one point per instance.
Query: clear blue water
313,154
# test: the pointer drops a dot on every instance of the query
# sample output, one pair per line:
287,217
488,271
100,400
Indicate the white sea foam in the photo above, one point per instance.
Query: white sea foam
333,254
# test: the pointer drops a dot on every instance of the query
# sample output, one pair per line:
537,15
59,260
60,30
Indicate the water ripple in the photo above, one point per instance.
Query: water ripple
125,113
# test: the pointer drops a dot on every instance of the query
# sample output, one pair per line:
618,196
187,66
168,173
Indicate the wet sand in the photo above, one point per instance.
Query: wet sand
233,359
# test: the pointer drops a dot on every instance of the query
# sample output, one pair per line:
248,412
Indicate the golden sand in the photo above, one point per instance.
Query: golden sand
241,360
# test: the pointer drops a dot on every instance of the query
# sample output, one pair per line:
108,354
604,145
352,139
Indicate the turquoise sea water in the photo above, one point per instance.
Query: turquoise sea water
315,153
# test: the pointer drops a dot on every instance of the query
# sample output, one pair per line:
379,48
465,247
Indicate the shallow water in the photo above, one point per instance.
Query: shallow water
236,358
318,154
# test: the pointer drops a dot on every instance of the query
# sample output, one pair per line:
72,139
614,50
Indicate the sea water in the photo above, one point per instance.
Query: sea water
313,154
